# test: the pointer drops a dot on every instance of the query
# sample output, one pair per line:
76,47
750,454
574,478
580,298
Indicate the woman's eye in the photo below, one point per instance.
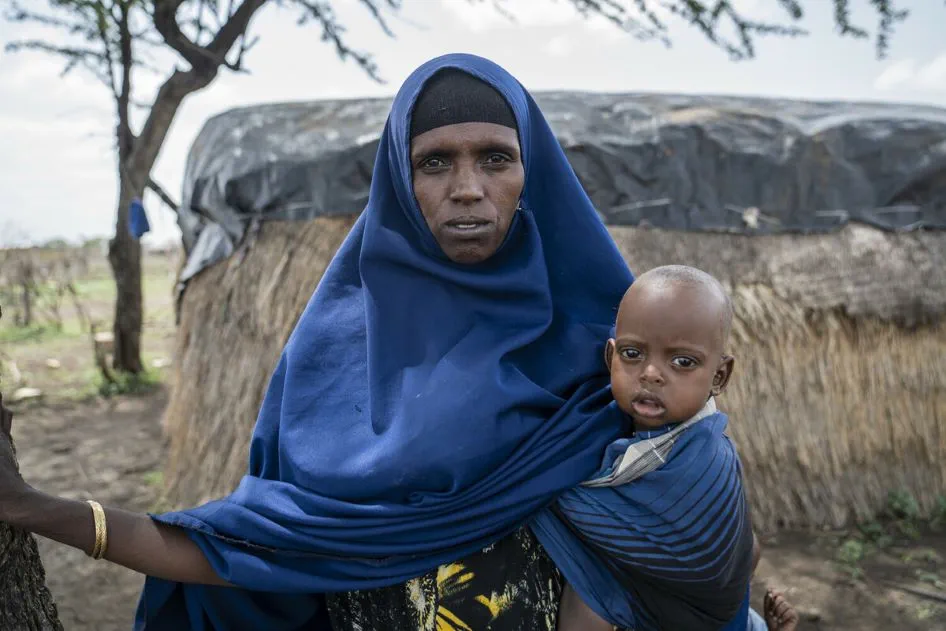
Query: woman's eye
433,163
496,158
684,362
630,353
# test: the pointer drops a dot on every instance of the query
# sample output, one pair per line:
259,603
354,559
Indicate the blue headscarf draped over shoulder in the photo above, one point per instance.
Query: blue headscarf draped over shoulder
422,409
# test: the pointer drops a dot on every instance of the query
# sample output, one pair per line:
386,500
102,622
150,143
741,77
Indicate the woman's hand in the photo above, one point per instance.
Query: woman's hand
12,487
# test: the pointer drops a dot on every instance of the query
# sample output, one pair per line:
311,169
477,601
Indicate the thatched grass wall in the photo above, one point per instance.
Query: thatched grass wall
839,396
234,320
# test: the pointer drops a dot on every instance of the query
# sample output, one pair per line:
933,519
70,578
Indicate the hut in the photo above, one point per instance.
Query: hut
827,222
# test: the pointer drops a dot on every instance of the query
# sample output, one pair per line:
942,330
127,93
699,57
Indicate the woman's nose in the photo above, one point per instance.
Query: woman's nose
466,186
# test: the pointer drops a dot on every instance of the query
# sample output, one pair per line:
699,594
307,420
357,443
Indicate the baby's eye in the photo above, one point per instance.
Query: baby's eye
684,362
630,353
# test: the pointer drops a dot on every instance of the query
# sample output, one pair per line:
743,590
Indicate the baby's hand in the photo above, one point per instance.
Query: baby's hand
780,615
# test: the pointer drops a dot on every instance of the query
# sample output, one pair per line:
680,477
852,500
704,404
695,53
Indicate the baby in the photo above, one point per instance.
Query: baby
666,515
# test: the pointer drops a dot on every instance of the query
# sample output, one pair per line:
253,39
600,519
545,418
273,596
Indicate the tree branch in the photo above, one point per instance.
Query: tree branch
19,14
182,83
321,12
69,52
165,21
647,26
90,59
160,192
126,55
374,8
235,28
110,65
209,58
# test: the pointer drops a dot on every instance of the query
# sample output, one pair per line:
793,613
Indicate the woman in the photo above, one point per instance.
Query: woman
443,385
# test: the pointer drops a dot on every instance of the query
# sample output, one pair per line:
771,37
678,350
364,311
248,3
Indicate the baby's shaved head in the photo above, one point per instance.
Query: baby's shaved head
712,292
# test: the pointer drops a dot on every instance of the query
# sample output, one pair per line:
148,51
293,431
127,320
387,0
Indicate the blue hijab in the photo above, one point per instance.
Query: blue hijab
421,409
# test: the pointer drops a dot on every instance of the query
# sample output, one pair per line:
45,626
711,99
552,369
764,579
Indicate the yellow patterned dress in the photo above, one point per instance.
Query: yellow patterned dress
510,586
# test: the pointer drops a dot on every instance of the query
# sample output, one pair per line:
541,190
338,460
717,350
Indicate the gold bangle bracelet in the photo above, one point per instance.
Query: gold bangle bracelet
97,541
101,530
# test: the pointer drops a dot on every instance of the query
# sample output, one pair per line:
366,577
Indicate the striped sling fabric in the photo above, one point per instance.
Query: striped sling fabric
660,537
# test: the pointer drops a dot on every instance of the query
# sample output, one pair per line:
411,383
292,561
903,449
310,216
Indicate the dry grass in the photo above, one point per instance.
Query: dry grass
839,398
830,413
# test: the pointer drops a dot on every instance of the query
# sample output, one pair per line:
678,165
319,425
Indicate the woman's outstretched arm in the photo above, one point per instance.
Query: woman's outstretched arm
135,540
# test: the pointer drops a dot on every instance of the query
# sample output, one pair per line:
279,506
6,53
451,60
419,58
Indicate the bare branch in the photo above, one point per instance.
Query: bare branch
69,52
645,25
793,8
165,21
109,63
160,192
181,83
75,57
245,46
127,60
374,7
235,28
321,12
18,14
209,58
889,17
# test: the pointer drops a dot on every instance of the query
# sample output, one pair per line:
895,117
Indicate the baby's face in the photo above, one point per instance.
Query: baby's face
667,355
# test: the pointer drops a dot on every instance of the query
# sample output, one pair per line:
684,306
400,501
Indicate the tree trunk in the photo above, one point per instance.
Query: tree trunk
25,601
124,256
26,285
27,298
137,154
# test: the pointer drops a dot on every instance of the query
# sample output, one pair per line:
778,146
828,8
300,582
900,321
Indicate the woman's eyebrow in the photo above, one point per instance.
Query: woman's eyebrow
425,152
499,145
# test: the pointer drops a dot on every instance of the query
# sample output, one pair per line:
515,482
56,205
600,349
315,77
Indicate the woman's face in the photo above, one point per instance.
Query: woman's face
468,179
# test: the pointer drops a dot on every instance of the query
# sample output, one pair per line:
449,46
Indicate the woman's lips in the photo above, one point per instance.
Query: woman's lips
468,227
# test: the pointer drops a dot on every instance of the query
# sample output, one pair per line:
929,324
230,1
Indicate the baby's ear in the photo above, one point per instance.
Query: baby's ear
723,374
609,353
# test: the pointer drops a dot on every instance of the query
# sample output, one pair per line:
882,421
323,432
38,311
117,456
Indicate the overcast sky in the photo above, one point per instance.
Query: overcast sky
57,175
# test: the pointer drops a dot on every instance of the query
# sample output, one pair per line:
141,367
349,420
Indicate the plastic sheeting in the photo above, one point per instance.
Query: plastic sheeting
678,162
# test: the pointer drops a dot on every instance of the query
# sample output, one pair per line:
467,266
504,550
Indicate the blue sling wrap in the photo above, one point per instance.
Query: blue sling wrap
671,549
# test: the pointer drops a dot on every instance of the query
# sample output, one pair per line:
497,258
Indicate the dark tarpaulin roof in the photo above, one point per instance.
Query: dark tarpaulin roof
696,163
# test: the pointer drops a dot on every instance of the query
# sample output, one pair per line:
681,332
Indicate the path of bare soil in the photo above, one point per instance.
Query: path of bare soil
113,450
804,566
107,450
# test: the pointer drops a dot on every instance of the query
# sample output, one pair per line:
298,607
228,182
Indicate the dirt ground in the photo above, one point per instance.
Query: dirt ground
107,450
804,565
